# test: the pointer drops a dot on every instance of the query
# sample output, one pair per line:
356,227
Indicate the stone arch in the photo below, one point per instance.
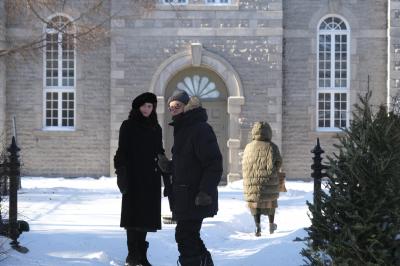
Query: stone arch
198,56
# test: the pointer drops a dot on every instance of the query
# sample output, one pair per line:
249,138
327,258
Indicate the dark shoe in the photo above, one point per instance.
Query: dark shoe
190,261
258,230
132,260
207,259
272,228
143,254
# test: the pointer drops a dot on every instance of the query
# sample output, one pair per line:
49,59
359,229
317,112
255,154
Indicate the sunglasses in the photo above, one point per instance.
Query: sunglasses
175,107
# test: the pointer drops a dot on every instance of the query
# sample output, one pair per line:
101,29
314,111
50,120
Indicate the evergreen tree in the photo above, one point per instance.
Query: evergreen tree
359,222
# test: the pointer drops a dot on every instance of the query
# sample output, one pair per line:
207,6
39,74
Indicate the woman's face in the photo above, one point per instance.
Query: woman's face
146,109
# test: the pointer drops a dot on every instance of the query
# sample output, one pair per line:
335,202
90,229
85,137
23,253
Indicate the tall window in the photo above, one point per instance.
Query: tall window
333,74
59,76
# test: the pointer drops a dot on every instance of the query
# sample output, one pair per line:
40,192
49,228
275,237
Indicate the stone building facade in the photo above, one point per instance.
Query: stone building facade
298,64
2,73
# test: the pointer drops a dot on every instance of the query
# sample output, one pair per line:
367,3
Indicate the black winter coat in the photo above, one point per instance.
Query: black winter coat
139,144
197,165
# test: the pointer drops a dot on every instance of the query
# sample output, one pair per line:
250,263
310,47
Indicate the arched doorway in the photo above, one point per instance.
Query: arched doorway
197,57
211,90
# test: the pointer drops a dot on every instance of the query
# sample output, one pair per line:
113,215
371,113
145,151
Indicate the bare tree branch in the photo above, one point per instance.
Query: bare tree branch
32,8
88,31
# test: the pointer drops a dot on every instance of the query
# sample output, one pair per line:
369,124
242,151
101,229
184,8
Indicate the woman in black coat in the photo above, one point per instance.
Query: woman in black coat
138,177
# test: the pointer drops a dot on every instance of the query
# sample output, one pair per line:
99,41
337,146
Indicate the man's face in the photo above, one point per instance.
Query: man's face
175,107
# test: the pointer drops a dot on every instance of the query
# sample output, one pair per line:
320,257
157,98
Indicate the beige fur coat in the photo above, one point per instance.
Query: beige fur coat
261,163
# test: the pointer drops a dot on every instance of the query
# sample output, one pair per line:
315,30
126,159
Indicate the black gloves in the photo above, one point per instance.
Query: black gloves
122,179
164,164
203,199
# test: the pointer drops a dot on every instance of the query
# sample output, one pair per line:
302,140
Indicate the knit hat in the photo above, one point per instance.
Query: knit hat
179,95
143,98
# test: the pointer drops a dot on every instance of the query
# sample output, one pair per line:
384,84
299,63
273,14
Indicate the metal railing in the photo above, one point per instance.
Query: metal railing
10,174
319,172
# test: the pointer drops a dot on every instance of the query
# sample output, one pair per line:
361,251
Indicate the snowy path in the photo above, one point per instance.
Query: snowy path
76,222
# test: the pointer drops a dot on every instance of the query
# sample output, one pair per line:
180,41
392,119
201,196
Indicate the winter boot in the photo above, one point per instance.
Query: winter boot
143,254
190,261
206,259
272,227
258,230
257,221
132,260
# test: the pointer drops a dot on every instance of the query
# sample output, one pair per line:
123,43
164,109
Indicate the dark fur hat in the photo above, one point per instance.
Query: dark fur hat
143,98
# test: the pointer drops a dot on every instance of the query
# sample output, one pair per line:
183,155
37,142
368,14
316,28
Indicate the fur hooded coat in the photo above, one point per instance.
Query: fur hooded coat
261,163
197,163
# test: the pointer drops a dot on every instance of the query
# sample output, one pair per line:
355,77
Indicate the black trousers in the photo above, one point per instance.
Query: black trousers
187,236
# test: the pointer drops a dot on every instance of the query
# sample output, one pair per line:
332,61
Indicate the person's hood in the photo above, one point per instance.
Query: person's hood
261,131
193,103
192,113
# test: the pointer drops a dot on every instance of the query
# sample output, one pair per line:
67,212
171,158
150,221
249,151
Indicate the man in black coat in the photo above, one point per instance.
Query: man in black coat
196,172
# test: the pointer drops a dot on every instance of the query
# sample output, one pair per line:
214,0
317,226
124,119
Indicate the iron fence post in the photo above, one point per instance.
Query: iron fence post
14,173
317,174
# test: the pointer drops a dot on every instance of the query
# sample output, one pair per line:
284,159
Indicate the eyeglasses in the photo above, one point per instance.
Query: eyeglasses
175,107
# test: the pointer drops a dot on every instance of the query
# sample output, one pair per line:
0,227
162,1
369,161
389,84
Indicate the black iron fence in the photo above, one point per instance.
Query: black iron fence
10,169
319,172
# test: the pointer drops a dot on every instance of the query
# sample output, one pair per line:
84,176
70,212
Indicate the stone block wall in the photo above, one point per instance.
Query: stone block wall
368,50
2,72
84,151
247,34
394,46
271,44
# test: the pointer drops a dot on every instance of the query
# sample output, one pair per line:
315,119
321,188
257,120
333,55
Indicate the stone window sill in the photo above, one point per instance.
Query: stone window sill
58,133
199,7
325,134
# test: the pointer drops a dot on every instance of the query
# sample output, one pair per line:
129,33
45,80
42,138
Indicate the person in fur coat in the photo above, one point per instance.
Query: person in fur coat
260,165
138,176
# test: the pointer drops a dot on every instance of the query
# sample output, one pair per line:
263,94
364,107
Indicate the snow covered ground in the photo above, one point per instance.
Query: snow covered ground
76,222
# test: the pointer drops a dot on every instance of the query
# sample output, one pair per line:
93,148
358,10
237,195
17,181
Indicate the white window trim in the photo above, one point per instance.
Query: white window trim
332,90
60,89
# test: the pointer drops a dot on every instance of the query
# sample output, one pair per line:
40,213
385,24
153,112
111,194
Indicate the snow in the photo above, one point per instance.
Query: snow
76,222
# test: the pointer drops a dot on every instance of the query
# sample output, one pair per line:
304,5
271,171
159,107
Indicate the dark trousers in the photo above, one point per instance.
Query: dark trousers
134,239
187,236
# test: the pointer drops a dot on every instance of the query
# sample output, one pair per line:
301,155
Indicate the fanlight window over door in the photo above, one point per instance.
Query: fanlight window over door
199,82
200,86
